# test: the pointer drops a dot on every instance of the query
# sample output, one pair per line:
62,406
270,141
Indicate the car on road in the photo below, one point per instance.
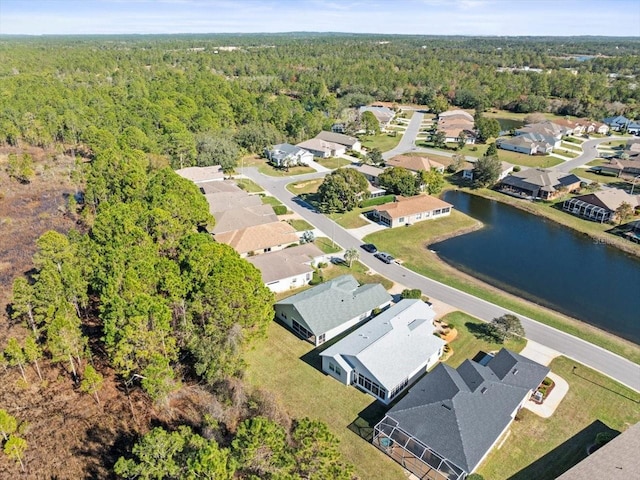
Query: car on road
385,257
369,247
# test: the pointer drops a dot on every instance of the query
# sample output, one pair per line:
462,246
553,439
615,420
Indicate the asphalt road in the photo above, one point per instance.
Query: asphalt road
610,364
589,153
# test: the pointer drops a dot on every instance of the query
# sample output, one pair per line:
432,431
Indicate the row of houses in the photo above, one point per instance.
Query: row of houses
627,164
535,138
455,124
451,418
253,230
621,123
324,145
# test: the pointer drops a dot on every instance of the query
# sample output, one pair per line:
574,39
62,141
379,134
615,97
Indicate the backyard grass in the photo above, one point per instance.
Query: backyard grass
327,245
516,158
333,162
359,271
610,180
290,368
249,185
269,200
471,339
382,142
410,245
545,448
350,219
300,225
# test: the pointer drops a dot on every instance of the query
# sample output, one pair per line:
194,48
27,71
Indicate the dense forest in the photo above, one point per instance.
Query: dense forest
138,295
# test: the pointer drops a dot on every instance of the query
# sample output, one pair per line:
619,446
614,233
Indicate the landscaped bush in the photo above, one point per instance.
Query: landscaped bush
411,293
377,201
517,168
280,209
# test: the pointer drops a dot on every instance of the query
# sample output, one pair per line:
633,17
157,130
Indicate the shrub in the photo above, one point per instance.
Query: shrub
517,168
377,201
411,293
280,209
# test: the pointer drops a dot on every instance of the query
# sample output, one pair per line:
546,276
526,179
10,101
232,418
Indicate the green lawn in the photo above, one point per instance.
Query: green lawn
410,245
305,187
614,144
359,271
290,368
471,338
544,448
350,219
266,169
610,180
326,245
269,200
566,153
333,162
249,185
300,225
575,140
382,142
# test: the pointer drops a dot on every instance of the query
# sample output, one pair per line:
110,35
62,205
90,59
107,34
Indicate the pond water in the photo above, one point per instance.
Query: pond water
548,264
506,124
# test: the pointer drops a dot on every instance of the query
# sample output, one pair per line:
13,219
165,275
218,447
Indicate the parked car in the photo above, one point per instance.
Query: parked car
369,247
385,257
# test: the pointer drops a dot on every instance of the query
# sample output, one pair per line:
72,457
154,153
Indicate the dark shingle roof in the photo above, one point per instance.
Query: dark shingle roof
461,413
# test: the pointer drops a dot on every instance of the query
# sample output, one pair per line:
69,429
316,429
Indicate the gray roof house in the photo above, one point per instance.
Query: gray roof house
223,201
290,268
352,143
389,351
383,114
286,155
225,186
328,309
540,183
452,418
199,175
600,206
243,217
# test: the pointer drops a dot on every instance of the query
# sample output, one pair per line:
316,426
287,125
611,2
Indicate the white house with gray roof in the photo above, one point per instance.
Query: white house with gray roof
326,310
386,353
452,418
286,155
351,143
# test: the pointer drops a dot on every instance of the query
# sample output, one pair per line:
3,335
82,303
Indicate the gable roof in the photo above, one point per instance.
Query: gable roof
450,114
527,140
222,201
333,303
369,170
320,145
286,263
414,163
393,344
339,138
243,217
404,206
461,413
258,237
382,113
202,174
218,187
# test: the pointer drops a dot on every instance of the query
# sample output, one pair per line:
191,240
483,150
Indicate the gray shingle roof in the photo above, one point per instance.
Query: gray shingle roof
333,303
286,263
538,178
339,138
460,413
392,345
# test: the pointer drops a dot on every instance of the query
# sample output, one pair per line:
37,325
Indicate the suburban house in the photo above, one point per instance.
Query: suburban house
326,310
415,163
257,239
286,155
383,114
582,126
616,459
600,206
452,418
371,173
546,132
243,217
385,354
620,167
222,201
539,183
226,186
408,210
322,148
620,122
455,123
351,143
505,169
200,175
289,268
529,144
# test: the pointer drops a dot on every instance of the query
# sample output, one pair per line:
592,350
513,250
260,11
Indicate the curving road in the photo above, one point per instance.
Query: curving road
610,364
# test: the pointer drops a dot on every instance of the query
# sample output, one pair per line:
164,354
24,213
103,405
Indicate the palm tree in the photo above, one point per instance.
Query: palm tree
350,255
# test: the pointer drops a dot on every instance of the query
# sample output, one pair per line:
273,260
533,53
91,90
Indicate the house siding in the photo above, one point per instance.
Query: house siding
289,283
414,218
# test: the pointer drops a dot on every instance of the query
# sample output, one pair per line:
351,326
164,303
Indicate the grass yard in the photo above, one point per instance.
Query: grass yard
289,367
326,245
300,225
610,180
471,339
409,244
333,162
566,153
266,169
516,158
305,187
350,219
544,448
614,144
359,271
249,185
382,142
269,200
577,141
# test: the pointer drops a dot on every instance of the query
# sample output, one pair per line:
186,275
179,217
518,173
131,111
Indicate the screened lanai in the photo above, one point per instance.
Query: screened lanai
412,454
586,210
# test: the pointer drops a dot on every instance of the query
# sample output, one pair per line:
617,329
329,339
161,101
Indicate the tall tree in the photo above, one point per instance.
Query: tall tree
399,181
8,424
15,355
23,303
487,170
432,181
65,341
217,149
33,353
370,123
342,190
92,382
14,448
351,255
506,326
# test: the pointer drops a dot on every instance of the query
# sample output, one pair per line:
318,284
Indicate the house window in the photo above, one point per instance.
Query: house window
446,210
268,249
321,339
418,216
401,219
437,212
338,371
331,367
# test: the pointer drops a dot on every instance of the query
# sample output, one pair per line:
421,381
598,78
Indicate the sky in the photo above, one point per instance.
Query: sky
423,17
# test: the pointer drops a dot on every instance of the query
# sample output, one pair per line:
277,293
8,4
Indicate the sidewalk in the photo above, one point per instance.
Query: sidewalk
317,167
